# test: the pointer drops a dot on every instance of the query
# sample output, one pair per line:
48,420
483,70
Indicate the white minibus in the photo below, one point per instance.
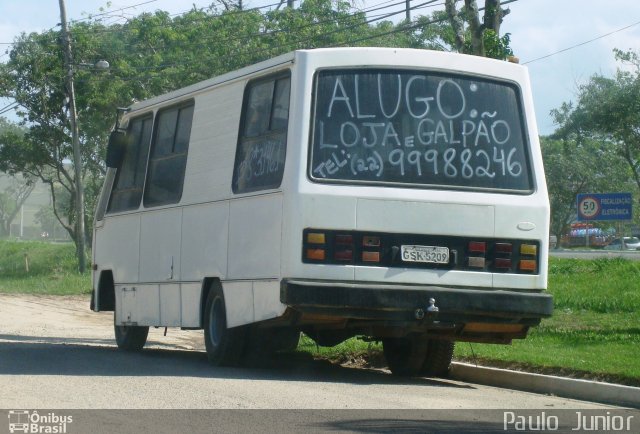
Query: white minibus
397,195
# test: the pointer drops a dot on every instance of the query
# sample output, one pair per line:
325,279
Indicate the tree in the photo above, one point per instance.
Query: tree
575,165
47,220
34,78
12,198
479,39
609,109
16,189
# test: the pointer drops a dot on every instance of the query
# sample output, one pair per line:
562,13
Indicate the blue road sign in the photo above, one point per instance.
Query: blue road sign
604,206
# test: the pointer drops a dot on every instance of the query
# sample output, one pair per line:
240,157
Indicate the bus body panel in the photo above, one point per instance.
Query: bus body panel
138,304
190,296
160,239
205,234
255,229
119,248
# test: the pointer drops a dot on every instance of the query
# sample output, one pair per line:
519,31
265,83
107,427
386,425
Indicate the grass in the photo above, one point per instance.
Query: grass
594,332
52,269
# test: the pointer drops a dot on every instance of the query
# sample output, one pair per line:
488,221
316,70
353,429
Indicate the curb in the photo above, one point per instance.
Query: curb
585,390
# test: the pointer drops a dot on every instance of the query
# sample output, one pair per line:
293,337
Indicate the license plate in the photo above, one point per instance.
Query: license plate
430,254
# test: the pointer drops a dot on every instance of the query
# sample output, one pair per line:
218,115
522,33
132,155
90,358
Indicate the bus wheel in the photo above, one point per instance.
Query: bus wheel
405,356
438,359
224,345
131,338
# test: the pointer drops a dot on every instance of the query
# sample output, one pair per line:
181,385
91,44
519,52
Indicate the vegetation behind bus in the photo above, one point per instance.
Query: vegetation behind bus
593,332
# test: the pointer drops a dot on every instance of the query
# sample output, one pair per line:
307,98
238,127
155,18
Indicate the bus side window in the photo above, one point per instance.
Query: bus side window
127,190
260,155
168,159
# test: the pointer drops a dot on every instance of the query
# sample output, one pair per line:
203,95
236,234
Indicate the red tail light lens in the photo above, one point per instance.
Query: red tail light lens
343,248
477,247
344,255
344,239
502,263
505,248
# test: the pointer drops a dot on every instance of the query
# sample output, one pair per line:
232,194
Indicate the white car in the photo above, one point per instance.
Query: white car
630,243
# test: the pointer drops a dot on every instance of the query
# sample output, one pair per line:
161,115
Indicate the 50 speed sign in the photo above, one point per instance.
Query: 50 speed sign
588,207
604,206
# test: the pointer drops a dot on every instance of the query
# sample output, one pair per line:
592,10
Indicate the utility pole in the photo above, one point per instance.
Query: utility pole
75,141
408,10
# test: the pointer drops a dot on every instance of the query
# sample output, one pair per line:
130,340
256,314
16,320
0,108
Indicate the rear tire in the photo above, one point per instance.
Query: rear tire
438,359
130,338
405,356
224,345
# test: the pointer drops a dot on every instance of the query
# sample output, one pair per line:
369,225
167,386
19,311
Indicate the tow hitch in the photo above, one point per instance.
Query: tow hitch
432,311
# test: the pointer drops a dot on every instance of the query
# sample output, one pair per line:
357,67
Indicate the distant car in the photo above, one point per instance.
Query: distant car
630,243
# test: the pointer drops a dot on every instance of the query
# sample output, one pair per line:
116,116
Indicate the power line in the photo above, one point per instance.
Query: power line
391,32
8,108
93,16
173,23
582,43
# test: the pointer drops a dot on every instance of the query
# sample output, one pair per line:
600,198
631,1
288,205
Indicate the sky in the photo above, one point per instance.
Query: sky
537,28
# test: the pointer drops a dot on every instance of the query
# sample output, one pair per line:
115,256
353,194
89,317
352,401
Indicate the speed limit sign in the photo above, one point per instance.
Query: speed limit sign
588,208
604,206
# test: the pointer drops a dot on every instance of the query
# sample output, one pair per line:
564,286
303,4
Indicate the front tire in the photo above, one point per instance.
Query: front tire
224,345
131,338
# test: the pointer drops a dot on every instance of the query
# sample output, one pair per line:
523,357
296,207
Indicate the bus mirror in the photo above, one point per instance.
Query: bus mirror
115,148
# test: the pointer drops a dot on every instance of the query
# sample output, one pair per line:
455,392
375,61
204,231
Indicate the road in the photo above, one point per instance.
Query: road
593,254
55,353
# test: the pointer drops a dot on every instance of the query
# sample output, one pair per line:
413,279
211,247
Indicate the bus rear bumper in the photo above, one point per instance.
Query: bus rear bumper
397,302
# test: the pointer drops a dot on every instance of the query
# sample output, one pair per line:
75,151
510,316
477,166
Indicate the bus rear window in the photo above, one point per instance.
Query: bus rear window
419,129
